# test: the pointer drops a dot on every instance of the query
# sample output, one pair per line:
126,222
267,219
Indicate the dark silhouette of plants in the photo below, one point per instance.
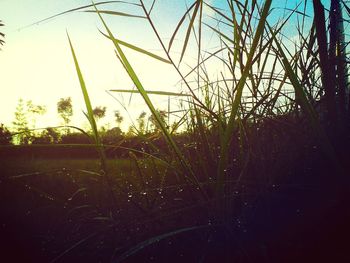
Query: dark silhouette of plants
65,110
5,135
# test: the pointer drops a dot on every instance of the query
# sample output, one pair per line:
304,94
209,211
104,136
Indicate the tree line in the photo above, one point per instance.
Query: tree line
24,132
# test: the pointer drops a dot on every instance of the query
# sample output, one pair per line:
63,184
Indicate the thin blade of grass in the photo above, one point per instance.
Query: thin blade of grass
227,137
156,239
115,13
179,25
189,29
138,49
153,92
76,9
87,101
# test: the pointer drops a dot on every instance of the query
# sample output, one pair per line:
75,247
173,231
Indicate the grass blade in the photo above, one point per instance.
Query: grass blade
135,48
189,29
115,13
153,92
156,239
179,25
133,76
227,137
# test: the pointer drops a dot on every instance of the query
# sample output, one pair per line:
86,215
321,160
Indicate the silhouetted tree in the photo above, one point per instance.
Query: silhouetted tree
141,122
112,136
99,112
20,124
5,135
155,125
118,118
47,136
34,110
65,110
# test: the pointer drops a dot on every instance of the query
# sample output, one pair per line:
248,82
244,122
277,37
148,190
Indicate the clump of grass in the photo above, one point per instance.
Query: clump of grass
237,126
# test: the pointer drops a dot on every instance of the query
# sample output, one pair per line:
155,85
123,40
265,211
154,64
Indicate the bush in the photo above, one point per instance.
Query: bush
5,135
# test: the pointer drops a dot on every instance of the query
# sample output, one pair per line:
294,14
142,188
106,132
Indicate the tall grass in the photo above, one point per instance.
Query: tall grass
264,75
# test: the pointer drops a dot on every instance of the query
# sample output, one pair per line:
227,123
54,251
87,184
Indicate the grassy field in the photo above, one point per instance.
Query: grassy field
258,173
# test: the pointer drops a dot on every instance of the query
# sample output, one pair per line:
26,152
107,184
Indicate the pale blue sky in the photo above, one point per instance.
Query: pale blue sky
36,63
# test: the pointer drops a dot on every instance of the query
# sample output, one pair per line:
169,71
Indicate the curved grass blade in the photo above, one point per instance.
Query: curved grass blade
189,29
141,50
227,137
153,92
87,101
156,239
179,25
115,13
77,244
92,121
75,9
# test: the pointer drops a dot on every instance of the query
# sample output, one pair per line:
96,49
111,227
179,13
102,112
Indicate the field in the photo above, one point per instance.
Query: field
59,209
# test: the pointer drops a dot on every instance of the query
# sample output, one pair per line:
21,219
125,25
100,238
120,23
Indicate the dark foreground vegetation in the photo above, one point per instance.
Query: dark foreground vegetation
287,205
258,173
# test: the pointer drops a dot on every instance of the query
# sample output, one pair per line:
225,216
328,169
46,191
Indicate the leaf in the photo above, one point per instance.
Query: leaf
162,93
156,239
143,51
179,25
77,9
189,29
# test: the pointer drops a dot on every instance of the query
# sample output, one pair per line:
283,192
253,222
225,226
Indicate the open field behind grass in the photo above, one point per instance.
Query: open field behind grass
55,206
21,166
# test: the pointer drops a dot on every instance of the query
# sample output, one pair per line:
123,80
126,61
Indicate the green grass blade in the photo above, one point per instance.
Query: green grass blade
135,48
133,76
179,25
156,239
115,13
87,101
227,137
153,92
77,9
189,29
92,121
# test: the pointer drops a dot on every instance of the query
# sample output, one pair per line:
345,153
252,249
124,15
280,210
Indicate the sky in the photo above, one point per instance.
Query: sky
36,62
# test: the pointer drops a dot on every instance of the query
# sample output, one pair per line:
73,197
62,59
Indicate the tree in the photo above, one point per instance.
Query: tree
112,136
47,136
34,110
118,118
162,114
5,135
99,112
141,122
65,110
20,124
24,110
